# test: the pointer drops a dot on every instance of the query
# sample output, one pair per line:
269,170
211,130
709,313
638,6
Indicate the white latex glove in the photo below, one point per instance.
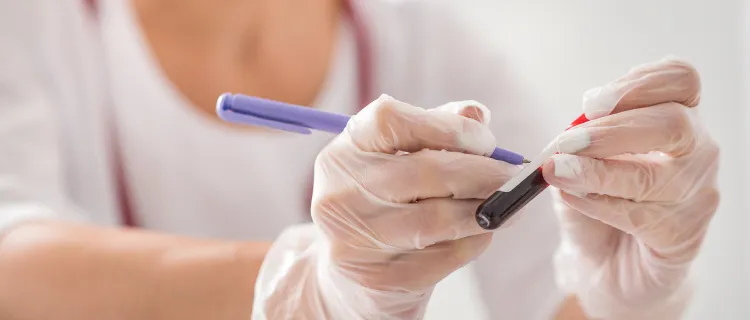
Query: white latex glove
638,191
393,215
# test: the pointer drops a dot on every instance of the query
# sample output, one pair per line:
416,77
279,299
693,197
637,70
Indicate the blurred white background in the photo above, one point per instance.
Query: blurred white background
566,47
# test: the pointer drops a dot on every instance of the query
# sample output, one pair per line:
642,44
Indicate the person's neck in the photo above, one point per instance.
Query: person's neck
277,49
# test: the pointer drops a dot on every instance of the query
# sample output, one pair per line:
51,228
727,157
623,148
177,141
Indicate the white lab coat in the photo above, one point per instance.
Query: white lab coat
63,89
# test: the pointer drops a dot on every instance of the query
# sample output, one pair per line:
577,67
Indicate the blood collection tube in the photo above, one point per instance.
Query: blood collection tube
518,191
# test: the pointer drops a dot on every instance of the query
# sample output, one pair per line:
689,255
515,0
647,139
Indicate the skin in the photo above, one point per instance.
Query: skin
570,309
61,271
273,49
278,49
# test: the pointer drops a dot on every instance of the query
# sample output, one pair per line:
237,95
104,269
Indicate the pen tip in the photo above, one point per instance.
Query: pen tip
526,160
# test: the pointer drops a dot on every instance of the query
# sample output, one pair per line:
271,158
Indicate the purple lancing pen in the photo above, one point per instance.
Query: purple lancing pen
248,110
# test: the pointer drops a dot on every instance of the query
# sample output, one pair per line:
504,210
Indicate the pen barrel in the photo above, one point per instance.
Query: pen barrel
290,113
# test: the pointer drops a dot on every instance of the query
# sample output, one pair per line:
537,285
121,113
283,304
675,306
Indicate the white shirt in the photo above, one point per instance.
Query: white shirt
251,184
191,176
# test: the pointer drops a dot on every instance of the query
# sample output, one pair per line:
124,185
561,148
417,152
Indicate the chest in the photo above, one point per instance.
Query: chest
254,47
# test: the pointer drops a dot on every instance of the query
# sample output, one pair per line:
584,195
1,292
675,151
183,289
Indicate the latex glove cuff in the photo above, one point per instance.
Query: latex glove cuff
582,278
298,281
286,287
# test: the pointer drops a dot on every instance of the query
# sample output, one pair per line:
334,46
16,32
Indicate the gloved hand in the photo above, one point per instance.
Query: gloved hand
636,189
393,215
